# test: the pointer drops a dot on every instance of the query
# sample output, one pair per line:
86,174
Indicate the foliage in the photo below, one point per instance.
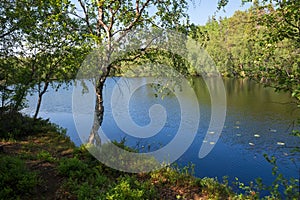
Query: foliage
14,17
249,45
89,181
290,186
16,181
48,45
173,175
14,125
56,47
107,26
72,167
283,41
281,188
129,187
46,156
215,189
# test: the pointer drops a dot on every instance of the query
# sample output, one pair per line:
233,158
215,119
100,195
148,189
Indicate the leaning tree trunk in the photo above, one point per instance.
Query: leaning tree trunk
105,67
40,98
94,137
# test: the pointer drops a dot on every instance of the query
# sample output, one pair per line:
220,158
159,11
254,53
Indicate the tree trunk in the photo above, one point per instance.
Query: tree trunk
41,93
94,137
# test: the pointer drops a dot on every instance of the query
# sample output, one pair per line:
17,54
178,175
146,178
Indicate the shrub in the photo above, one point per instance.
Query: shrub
15,180
46,156
130,188
14,125
73,167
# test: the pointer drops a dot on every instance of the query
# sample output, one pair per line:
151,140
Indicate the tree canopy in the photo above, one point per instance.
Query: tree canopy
261,43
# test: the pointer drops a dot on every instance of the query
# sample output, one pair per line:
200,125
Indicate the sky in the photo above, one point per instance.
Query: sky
200,12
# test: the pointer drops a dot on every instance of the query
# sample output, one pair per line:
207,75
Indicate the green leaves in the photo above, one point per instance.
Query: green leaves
222,4
16,181
261,43
39,43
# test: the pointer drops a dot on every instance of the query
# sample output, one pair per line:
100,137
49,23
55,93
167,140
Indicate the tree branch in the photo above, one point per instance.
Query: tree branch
141,51
86,14
8,32
135,20
100,18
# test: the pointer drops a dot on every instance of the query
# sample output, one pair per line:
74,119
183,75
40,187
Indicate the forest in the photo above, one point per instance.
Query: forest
43,44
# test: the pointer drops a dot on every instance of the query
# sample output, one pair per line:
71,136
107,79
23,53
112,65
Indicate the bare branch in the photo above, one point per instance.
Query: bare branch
100,18
86,14
111,21
137,2
9,32
76,15
112,18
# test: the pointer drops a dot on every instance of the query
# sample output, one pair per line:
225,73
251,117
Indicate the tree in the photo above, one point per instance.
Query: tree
261,43
15,18
110,21
283,41
48,46
55,47
277,62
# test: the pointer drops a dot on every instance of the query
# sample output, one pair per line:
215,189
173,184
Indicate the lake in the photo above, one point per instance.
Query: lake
258,121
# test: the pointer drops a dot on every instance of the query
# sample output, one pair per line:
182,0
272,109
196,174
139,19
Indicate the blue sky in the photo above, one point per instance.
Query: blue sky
204,8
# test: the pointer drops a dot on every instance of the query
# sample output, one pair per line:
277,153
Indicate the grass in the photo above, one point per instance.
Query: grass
42,163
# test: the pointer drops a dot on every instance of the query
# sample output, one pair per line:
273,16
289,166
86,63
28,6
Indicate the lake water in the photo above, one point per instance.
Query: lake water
258,121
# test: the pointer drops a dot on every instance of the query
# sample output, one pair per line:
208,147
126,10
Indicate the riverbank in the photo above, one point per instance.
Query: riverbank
39,161
43,163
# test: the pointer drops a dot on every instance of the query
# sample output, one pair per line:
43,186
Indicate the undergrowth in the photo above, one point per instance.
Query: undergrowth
16,181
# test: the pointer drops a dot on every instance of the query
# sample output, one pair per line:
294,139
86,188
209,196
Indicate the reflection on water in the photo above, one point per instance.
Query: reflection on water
258,121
